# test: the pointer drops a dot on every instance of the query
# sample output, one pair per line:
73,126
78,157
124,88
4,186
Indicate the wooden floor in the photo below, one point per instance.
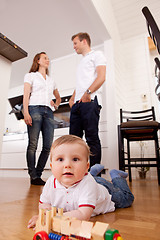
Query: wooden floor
19,201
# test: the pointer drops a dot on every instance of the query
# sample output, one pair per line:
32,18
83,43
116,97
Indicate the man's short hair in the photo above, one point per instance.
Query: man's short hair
82,36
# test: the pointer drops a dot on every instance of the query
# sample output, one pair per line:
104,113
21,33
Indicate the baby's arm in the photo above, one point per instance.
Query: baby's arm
82,213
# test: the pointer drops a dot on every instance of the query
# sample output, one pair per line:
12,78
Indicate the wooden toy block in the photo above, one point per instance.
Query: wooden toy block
53,211
98,230
65,226
44,221
60,211
85,230
75,226
56,223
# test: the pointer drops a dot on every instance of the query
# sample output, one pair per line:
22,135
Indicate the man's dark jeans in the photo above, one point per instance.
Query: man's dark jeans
85,119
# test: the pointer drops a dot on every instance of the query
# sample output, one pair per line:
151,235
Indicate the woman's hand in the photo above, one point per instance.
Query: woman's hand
28,119
58,99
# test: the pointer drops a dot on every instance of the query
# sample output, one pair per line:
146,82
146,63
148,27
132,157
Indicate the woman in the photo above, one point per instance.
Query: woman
38,108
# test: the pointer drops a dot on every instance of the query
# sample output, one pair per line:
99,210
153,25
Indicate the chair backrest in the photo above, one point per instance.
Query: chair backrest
145,115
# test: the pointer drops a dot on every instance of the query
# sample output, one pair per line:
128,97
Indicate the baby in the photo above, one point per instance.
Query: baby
75,190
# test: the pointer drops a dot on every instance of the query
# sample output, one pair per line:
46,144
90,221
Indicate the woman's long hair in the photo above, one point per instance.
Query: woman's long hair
35,64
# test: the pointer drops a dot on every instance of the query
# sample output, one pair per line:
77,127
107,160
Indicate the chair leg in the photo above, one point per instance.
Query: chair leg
129,168
158,158
121,149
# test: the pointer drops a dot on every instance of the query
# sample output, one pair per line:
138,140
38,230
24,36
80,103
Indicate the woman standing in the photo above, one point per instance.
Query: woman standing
38,108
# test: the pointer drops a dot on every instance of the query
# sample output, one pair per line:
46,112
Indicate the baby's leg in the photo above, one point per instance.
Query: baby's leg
96,169
119,181
118,173
119,189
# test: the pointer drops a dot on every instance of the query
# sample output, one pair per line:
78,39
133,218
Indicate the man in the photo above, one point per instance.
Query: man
85,109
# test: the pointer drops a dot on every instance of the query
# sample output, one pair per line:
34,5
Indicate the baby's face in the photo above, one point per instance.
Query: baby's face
69,163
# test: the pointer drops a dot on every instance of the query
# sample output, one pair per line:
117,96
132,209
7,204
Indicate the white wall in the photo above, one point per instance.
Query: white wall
63,70
153,54
106,13
5,70
139,74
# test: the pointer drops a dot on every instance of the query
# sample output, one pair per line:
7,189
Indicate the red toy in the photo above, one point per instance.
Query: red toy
42,235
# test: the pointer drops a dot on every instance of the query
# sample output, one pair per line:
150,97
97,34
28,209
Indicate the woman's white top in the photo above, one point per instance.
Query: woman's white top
41,89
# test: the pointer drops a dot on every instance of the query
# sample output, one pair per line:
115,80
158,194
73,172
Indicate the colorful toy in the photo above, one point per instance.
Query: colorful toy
56,226
42,235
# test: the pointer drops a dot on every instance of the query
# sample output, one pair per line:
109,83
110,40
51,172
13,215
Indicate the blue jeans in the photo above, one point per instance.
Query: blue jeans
119,189
42,120
85,118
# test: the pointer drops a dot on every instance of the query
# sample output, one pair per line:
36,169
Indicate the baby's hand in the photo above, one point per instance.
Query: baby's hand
32,222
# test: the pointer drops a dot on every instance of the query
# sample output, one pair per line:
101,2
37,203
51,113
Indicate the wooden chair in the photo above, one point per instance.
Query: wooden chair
138,126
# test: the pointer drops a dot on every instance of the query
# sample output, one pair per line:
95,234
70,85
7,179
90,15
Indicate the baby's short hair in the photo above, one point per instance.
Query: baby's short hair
70,139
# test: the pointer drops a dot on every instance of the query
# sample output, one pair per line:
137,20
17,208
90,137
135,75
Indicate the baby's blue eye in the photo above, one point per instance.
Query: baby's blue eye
60,159
75,159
